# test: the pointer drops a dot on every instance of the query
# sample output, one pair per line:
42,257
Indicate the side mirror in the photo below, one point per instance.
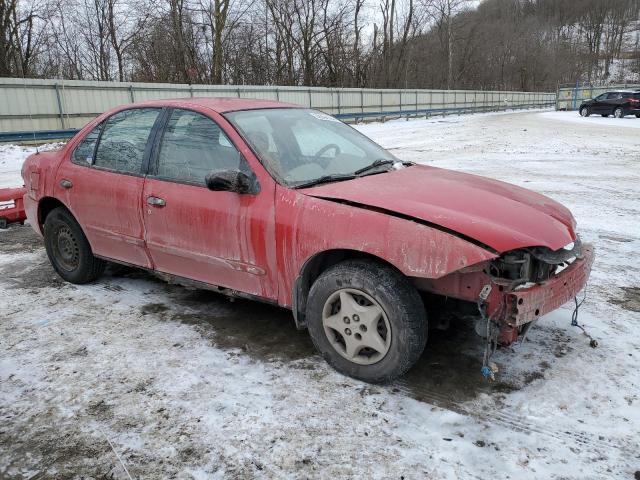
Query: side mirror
230,181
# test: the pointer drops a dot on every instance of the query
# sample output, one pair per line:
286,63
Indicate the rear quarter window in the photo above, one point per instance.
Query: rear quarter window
83,154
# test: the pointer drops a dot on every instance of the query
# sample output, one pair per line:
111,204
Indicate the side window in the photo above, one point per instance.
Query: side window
601,97
124,140
193,146
83,154
614,96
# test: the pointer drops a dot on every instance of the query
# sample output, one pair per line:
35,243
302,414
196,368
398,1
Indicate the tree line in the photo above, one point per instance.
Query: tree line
496,44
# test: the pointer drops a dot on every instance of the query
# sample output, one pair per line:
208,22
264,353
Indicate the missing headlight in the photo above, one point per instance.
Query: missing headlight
535,264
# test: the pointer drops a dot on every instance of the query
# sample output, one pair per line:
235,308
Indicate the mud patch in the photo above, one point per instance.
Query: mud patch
100,409
20,239
153,309
630,299
449,369
57,452
263,332
32,273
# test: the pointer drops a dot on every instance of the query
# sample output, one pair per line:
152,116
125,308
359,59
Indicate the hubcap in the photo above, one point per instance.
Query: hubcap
618,113
583,112
356,326
66,249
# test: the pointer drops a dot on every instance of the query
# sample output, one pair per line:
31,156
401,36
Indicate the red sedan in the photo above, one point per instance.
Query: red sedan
290,206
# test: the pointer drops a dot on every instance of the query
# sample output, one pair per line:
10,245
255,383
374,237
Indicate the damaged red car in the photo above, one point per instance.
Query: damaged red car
290,206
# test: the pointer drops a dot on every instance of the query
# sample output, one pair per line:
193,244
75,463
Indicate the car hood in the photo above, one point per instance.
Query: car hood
493,213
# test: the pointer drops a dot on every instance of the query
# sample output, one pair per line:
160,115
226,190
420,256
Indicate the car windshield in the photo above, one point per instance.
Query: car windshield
299,146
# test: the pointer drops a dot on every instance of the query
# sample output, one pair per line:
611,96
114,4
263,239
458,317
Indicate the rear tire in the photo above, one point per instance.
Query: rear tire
637,115
367,320
68,248
618,113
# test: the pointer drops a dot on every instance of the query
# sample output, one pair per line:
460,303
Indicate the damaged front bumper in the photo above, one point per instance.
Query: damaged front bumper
511,308
525,305
528,304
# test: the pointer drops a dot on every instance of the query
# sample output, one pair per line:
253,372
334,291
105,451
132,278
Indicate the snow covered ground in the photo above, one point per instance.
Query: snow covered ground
11,158
172,383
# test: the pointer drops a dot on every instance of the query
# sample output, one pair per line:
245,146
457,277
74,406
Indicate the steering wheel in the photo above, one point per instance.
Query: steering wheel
325,149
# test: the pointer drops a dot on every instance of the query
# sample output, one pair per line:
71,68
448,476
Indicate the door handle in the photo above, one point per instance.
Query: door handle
156,202
64,183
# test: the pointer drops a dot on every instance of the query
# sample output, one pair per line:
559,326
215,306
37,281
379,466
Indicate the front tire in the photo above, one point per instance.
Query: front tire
618,113
68,248
367,320
584,112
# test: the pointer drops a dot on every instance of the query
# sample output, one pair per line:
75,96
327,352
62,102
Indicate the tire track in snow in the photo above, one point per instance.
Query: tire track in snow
519,423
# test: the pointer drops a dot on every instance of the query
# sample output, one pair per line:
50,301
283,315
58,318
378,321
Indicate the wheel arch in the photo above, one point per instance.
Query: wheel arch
313,268
45,206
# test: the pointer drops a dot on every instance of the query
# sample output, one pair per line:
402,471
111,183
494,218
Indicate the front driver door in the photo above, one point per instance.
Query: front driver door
599,104
220,238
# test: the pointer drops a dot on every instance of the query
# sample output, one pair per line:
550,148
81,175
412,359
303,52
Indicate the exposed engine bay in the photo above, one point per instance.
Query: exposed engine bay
532,265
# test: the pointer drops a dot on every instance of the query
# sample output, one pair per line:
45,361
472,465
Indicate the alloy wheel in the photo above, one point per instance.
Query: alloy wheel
356,326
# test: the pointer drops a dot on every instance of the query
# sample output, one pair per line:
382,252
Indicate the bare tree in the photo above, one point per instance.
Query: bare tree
443,12
510,44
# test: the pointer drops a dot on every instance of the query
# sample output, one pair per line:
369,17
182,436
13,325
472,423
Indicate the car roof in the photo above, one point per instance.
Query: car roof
217,104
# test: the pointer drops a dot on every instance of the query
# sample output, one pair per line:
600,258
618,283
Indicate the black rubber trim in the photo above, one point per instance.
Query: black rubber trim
411,219
151,150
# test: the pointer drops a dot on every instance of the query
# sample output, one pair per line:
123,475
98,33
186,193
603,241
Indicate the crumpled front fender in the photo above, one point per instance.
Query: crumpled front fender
307,226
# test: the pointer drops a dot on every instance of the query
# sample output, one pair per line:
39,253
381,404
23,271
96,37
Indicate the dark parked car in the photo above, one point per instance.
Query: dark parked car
618,104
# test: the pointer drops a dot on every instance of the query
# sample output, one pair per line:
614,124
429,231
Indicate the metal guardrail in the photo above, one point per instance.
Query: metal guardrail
34,136
43,135
60,105
436,111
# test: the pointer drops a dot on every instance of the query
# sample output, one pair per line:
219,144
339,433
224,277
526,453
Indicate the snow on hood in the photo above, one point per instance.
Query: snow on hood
497,214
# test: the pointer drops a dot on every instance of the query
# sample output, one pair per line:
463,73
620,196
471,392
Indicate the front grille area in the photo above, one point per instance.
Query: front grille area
531,265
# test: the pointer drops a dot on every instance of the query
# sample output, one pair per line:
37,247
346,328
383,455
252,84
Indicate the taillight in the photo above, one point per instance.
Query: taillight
633,100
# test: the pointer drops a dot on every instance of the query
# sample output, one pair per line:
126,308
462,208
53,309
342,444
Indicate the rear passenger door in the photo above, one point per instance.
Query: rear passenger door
220,238
613,100
102,183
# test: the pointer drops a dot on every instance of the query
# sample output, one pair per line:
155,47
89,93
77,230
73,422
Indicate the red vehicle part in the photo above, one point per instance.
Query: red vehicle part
442,229
512,309
12,206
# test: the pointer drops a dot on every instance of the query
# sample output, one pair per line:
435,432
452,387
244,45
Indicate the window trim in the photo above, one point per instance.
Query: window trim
154,158
145,155
93,155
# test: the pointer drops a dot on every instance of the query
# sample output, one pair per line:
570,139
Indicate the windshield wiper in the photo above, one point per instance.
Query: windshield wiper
326,179
378,163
